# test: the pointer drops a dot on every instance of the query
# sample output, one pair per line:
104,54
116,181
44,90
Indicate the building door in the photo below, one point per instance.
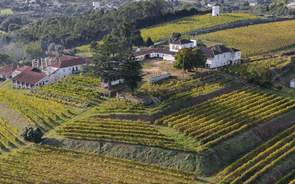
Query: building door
230,62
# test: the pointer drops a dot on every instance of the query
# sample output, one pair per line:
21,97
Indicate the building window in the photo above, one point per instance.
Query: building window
224,55
238,54
69,69
64,70
217,56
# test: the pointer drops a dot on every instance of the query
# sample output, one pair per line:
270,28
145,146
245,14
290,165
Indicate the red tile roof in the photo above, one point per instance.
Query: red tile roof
29,77
153,50
9,69
25,68
55,53
180,42
73,61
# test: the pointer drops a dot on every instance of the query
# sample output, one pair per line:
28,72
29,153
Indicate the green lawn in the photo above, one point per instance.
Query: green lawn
7,85
87,54
179,138
6,11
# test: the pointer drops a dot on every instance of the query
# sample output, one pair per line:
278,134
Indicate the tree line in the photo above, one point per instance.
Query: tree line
93,25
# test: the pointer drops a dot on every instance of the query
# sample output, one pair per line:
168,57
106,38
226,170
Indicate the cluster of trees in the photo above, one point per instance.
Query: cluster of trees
189,58
114,56
32,135
277,8
76,31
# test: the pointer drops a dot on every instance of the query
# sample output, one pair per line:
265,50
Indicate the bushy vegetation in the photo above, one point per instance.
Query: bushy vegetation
192,23
245,69
41,163
80,30
32,135
256,39
220,118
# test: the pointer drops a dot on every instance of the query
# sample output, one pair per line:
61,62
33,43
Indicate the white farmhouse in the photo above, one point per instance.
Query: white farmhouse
179,44
219,56
68,65
292,83
96,5
168,55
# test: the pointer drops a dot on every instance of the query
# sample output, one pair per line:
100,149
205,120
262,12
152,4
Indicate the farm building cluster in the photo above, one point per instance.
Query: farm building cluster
46,72
217,55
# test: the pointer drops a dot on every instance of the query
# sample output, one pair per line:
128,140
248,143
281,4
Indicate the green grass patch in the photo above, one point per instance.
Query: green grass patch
86,54
6,11
7,85
148,65
179,137
191,23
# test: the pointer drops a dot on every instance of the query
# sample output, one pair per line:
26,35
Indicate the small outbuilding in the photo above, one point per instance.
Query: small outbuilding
292,83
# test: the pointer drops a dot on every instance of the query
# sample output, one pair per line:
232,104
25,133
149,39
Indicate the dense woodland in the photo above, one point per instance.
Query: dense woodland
76,31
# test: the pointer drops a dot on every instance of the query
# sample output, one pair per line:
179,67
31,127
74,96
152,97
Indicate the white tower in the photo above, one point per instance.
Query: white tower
215,11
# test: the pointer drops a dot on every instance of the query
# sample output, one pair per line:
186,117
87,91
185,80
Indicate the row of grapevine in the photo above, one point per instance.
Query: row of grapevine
192,93
192,23
78,90
271,64
9,136
119,106
218,119
256,39
47,164
36,111
257,163
119,131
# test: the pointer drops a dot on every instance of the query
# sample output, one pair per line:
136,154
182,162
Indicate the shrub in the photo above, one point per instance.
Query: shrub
278,87
29,134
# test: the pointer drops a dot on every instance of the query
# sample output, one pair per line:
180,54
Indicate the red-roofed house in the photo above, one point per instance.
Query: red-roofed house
68,65
28,79
6,72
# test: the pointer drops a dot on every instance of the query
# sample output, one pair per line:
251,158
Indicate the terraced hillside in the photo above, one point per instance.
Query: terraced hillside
220,118
9,137
263,164
36,111
119,131
78,91
256,39
171,92
46,164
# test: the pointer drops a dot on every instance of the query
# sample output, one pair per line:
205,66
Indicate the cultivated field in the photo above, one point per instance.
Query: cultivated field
256,39
9,137
78,90
259,164
117,130
6,11
36,111
223,117
192,23
46,164
272,64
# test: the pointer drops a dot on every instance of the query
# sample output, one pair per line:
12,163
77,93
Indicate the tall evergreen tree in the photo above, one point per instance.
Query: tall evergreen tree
131,69
149,42
107,60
